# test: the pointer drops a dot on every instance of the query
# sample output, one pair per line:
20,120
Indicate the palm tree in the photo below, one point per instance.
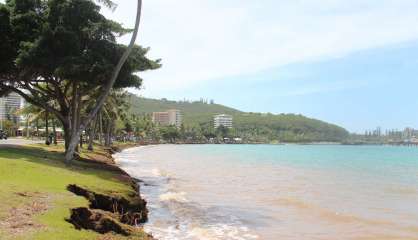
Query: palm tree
116,107
106,90
108,3
33,113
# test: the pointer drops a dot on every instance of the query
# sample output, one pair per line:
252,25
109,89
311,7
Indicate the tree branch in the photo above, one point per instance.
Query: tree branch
33,101
115,74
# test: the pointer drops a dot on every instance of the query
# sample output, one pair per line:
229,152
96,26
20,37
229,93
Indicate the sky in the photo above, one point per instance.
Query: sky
353,63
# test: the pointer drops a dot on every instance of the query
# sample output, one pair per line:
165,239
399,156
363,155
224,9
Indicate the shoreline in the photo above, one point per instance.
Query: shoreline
134,181
132,213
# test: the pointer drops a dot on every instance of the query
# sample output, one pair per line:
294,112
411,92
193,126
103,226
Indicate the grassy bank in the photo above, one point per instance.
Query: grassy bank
35,202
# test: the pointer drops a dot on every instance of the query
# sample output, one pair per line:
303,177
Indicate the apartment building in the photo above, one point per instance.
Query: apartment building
222,120
172,117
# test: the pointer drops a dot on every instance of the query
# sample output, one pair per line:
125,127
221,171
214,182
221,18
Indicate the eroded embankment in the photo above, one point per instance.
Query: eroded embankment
108,213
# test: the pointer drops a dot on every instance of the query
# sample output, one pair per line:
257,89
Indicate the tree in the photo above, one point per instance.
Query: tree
222,131
116,107
92,133
169,133
47,142
66,51
144,127
34,114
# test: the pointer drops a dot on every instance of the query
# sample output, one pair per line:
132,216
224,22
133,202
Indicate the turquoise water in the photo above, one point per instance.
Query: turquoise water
317,156
278,191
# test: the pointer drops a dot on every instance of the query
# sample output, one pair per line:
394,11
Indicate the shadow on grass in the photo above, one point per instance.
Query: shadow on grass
54,157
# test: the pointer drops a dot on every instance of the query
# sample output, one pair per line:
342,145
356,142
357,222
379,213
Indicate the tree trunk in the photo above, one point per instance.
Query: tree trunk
67,135
72,145
37,128
112,128
92,133
101,128
74,130
54,130
81,140
27,127
91,139
46,129
107,134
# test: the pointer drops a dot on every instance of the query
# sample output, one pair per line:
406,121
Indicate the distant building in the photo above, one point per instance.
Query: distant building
408,133
175,118
9,105
160,118
223,120
171,117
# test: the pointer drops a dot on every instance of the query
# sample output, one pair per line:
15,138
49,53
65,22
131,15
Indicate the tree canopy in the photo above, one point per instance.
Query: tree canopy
65,51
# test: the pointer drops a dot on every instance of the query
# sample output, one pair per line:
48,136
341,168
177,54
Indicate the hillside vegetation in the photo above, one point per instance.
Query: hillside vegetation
257,127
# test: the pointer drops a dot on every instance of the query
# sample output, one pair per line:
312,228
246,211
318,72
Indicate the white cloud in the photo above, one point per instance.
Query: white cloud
202,40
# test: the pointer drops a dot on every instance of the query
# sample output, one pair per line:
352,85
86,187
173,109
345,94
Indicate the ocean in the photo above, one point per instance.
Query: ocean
272,192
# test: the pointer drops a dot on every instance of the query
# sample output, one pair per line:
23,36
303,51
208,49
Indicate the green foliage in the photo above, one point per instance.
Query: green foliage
144,127
52,48
169,133
9,127
288,128
7,46
63,56
195,113
73,41
223,131
254,127
108,3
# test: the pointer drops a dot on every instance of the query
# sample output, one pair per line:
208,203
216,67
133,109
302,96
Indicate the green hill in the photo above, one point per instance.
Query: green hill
193,112
258,127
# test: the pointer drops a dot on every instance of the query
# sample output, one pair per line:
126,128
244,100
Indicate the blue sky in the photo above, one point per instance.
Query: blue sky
377,87
353,63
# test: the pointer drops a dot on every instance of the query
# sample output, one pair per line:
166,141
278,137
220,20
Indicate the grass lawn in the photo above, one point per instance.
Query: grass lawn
34,202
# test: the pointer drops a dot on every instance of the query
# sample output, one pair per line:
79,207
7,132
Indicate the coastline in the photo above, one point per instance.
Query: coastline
134,182
131,181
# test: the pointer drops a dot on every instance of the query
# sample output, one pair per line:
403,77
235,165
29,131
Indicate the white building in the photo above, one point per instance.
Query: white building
172,117
8,106
223,120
